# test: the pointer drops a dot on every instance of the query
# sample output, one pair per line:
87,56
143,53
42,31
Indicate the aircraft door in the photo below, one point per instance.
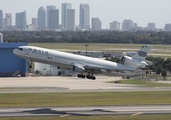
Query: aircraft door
26,52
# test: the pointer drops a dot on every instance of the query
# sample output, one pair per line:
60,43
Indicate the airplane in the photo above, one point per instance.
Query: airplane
87,67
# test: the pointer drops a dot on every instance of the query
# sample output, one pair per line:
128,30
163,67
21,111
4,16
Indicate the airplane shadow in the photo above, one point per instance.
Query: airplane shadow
71,113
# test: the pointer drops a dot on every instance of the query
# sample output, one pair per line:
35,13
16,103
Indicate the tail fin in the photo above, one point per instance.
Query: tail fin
142,53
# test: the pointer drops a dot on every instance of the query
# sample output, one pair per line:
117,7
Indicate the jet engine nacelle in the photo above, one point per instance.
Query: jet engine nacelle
133,62
79,69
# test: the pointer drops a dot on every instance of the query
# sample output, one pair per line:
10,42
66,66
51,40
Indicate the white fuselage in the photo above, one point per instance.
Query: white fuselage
66,60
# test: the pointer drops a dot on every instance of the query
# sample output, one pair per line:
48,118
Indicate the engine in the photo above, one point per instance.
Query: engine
133,62
79,69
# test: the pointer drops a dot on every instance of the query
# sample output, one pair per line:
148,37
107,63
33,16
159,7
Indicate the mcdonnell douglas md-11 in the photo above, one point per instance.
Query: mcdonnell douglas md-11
87,67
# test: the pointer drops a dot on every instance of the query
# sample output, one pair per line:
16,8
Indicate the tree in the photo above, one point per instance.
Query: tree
164,74
159,69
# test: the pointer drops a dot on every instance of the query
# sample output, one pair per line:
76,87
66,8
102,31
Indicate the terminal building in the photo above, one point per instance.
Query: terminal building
10,64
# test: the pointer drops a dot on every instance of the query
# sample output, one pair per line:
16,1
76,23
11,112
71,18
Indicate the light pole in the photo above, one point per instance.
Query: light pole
86,45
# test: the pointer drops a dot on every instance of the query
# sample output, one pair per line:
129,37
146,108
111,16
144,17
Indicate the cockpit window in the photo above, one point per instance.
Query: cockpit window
20,48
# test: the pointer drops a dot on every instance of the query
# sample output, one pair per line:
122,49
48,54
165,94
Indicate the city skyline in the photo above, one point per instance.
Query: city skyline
141,11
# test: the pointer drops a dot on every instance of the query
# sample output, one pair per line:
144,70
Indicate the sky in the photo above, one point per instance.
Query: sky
141,12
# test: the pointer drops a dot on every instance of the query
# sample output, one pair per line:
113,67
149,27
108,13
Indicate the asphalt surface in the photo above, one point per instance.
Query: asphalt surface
73,84
85,111
68,84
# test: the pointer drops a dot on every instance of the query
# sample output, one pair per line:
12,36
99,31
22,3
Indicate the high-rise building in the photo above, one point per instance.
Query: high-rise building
1,19
34,23
168,27
65,7
52,7
151,26
127,25
7,20
41,18
54,19
71,20
21,22
85,16
115,25
96,24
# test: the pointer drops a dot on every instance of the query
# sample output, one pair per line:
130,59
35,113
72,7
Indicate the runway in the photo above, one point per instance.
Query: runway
68,84
85,111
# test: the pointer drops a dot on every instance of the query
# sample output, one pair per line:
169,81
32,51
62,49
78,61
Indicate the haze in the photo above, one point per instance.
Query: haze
140,11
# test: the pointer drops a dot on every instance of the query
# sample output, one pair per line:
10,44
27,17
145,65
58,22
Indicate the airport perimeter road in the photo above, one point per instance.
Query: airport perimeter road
86,111
67,84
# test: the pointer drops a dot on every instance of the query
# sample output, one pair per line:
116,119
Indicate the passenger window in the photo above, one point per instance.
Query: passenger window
34,50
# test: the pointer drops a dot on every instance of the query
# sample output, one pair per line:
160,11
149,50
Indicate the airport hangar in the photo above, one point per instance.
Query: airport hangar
10,64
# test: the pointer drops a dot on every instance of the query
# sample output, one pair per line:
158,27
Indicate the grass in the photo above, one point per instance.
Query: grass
141,117
84,99
95,46
145,83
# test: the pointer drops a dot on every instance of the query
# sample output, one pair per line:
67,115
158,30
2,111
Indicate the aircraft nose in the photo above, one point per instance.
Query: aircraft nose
15,51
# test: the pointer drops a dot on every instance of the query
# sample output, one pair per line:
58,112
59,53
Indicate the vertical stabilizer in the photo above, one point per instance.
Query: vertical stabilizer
142,53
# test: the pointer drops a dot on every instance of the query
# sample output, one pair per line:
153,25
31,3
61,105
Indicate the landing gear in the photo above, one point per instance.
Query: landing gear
31,64
80,76
87,76
90,77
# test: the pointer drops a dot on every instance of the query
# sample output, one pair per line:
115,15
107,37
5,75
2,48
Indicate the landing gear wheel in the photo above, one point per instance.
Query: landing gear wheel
80,76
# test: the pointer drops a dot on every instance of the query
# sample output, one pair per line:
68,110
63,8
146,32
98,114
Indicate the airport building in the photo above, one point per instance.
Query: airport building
10,64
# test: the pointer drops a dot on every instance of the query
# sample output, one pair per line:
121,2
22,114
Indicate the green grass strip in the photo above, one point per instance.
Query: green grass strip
140,117
145,83
84,99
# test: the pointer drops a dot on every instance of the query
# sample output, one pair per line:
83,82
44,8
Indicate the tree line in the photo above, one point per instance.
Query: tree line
139,37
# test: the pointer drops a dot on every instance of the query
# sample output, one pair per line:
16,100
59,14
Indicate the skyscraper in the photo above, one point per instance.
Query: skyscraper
151,26
52,7
1,19
115,25
7,20
85,16
41,18
54,19
71,20
127,25
65,7
21,21
96,24
167,27
34,23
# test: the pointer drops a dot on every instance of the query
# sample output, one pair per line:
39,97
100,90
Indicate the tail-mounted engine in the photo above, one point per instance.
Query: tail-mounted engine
133,62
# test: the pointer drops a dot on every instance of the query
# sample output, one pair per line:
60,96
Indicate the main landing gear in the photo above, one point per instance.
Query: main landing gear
87,76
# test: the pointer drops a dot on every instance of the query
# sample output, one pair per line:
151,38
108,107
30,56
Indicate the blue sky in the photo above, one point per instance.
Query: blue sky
140,11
